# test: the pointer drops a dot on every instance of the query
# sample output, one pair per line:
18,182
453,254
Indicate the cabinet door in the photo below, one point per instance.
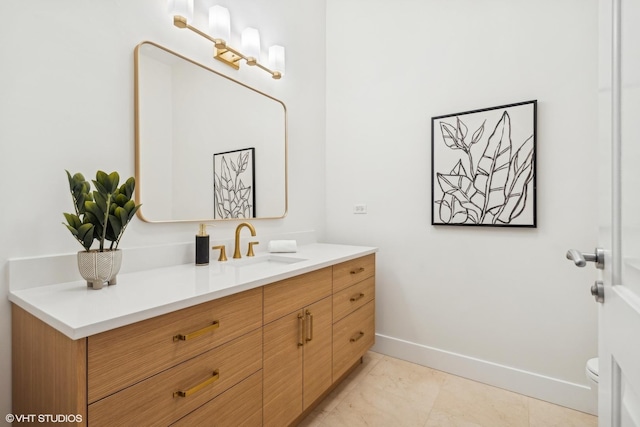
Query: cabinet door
282,369
317,350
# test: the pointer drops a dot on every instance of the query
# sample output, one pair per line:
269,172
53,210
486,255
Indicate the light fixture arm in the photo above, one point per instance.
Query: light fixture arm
224,52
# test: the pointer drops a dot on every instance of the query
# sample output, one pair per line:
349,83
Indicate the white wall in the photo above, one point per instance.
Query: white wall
506,297
67,103
500,305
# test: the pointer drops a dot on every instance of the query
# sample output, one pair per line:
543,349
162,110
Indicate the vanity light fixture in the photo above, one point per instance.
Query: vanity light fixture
276,58
220,33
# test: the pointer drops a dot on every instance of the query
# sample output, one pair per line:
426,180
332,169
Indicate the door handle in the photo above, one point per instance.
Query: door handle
581,259
597,290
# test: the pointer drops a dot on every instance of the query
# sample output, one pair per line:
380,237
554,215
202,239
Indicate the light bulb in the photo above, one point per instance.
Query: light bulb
219,23
276,58
251,44
182,8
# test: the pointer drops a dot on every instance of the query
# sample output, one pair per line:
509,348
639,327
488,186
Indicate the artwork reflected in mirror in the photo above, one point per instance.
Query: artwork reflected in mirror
234,189
188,114
483,166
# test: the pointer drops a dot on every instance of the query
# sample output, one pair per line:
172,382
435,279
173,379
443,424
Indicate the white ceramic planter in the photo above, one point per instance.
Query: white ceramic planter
99,267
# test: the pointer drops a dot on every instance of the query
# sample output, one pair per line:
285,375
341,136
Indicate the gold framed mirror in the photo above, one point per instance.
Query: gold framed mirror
208,147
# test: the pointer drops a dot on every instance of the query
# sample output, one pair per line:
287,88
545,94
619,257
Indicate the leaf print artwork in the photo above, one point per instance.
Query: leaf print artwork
483,166
234,184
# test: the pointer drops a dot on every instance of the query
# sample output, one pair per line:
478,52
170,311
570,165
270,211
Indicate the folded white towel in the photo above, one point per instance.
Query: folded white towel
282,246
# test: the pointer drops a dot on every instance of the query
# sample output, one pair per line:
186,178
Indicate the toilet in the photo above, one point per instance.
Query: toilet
592,372
592,375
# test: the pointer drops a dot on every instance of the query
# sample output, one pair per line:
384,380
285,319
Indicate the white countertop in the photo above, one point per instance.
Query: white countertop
78,311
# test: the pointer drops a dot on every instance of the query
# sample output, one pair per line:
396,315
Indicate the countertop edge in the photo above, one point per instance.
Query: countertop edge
84,331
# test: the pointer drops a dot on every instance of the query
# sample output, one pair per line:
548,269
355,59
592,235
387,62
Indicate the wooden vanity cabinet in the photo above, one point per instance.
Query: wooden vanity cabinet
265,356
139,374
297,346
354,312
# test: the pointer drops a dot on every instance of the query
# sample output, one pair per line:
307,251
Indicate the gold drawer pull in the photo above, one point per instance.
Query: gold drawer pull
192,335
301,329
309,326
187,393
357,337
356,297
359,270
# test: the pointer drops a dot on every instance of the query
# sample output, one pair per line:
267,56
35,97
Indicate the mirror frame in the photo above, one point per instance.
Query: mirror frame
138,142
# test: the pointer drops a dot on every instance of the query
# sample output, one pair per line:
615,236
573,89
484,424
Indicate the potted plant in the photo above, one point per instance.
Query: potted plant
101,215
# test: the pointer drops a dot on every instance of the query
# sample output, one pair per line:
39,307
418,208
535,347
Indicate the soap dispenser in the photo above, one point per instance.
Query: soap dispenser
202,246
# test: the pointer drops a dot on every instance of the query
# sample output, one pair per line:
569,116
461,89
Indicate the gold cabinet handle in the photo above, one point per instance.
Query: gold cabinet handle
215,325
356,271
186,393
356,297
301,329
309,326
357,337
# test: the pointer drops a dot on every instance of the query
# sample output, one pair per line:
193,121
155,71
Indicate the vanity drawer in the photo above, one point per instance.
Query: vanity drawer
287,296
353,297
154,401
127,355
352,337
239,406
351,272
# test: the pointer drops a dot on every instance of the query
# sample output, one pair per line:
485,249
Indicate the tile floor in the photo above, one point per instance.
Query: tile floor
388,392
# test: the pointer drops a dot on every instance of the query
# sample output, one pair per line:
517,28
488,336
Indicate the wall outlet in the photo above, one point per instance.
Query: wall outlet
360,208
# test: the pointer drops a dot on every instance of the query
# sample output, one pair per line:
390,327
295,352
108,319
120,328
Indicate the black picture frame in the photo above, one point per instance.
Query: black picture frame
232,197
489,151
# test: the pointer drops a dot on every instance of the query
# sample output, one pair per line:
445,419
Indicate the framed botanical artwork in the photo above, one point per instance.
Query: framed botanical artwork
483,166
234,194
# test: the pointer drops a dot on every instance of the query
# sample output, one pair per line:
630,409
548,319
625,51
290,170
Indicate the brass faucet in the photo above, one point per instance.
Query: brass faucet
236,251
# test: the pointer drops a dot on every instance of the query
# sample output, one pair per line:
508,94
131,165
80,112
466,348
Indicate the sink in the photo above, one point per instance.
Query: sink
264,261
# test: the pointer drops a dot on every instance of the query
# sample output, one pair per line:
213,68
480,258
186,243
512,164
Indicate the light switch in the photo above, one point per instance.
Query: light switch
360,208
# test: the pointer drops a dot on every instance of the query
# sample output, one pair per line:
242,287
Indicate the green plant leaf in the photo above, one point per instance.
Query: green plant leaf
128,187
85,235
126,212
116,226
73,220
121,199
97,214
100,200
122,215
107,184
71,229
102,179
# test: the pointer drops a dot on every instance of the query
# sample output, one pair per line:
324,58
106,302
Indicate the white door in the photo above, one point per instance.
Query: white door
619,314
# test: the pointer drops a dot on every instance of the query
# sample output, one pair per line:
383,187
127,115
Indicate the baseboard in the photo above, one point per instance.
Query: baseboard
559,392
